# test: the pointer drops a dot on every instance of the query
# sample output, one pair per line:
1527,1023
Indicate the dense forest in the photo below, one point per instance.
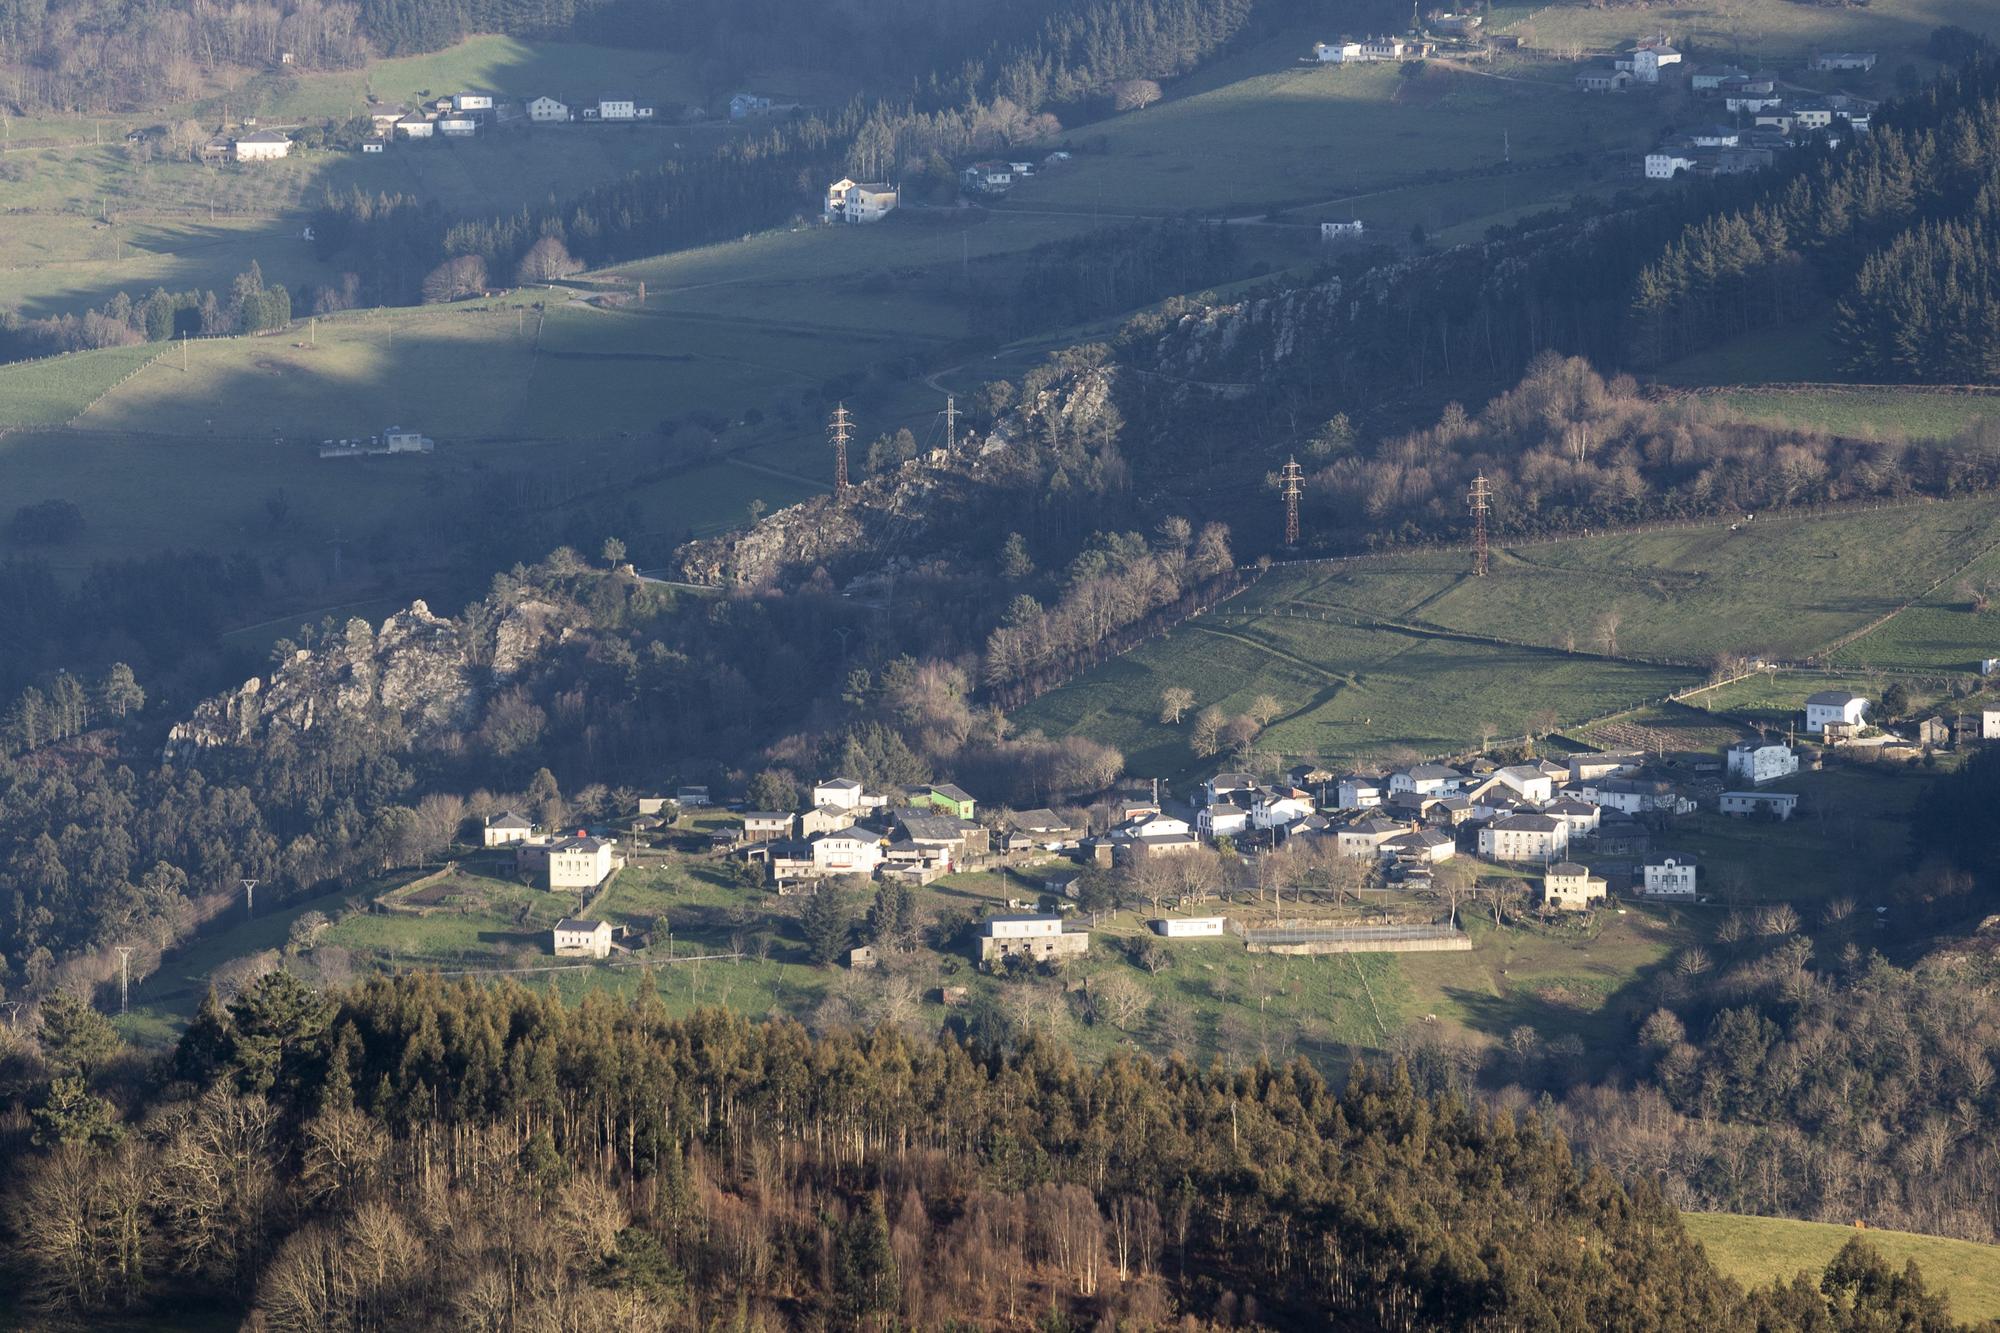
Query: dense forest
413,1154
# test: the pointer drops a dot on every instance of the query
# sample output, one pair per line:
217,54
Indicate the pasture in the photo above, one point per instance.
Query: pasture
1758,1251
1862,414
52,391
1309,137
1769,29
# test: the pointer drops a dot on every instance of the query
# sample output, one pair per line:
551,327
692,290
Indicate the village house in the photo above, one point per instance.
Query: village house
457,125
1426,846
1668,878
1383,48
581,862
854,201
1524,837
1709,78
1225,817
372,146
1364,837
766,825
383,116
1647,60
1842,706
944,797
1527,781
1609,764
1776,803
546,110
1456,25
791,864
692,798
1569,887
1714,136
1758,763
622,108
863,956
1039,936
987,178
742,106
1663,164
506,829
854,850
1349,230
955,838
1427,780
1633,796
1844,62
261,146
1043,828
1359,793
1933,733
573,938
842,792
1337,53
1601,80
1188,927
1581,816
1227,784
1749,103
1280,807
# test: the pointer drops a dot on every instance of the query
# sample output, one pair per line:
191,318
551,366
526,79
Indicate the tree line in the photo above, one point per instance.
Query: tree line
249,306
410,1153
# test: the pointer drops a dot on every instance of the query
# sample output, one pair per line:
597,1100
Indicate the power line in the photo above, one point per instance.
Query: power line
1291,482
1477,501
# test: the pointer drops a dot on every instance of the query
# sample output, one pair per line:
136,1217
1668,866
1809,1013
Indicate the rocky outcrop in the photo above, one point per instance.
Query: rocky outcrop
430,672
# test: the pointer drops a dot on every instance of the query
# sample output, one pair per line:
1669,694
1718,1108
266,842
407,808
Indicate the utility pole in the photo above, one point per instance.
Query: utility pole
1291,483
124,975
840,431
1476,501
950,424
184,352
250,897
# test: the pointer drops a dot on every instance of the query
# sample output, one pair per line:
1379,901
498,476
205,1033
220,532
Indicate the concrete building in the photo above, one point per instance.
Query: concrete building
573,938
582,862
262,146
1569,887
506,830
1039,936
1359,793
857,201
1189,927
1668,878
1758,763
1524,837
1740,803
1842,706
844,793
547,111
855,850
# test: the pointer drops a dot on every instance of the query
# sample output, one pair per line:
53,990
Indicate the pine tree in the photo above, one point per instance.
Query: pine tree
824,923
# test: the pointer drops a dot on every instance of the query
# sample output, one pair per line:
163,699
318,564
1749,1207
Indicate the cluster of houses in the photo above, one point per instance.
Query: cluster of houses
464,115
1775,123
562,863
849,200
253,145
394,440
918,834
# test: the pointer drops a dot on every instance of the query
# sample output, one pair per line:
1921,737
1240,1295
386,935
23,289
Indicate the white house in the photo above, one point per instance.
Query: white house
472,101
1715,136
1151,826
506,829
622,108
1527,837
1527,781
1844,61
1843,706
372,146
1359,793
1038,935
1989,724
1647,61
1632,796
1758,764
1779,803
1666,163
1739,103
1335,53
1581,816
987,178
1569,887
1340,231
856,201
1989,665
855,850
1669,879
547,110
1280,808
1224,785
415,126
262,146
1427,780
1223,819
843,793
582,862
457,125
582,939
396,440
1610,763
1188,927
1383,48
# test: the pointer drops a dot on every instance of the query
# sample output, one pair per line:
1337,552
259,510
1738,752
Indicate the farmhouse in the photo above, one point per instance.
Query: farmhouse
1527,837
1224,818
1569,887
384,116
1188,927
1337,53
1455,25
1039,936
1841,62
1364,837
987,178
1280,807
457,125
1611,763
620,107
546,110
1709,78
1758,763
1043,828
262,146
1632,796
953,837
854,201
1383,48
581,862
1527,781
952,800
766,825
1842,706
415,126
1778,803
507,829
1668,878
1664,164
1427,779
855,850
1224,785
1600,80
1714,136
573,938
1359,793
472,101
372,146
1422,846
844,793
1341,231
1581,816
742,106
1647,60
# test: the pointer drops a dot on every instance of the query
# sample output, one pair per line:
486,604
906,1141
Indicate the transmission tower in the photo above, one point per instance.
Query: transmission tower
1477,501
1291,483
124,974
840,430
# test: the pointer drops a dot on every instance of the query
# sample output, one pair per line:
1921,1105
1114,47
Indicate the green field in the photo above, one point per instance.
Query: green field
1772,29
1757,1251
1862,414
52,391
1408,652
1328,134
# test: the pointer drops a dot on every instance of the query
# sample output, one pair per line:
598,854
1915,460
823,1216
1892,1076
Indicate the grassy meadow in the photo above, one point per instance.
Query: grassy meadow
1862,414
1313,135
1767,29
1757,1251
55,390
